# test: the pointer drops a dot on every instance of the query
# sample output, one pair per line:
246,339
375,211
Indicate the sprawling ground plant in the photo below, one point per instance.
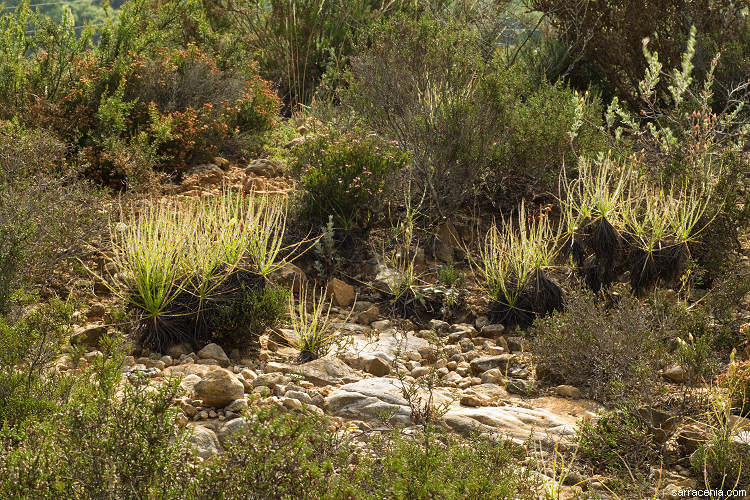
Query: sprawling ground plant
180,260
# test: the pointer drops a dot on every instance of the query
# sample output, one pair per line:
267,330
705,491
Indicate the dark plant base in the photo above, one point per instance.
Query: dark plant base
190,320
417,308
664,265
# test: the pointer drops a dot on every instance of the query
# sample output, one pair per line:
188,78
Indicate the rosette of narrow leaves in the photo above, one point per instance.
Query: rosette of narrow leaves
513,263
312,326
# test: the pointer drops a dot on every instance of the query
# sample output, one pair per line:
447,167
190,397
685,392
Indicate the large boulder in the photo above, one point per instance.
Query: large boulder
219,388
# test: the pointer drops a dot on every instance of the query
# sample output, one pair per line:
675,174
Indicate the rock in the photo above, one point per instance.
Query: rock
438,326
341,294
466,345
481,322
279,338
263,167
219,388
382,325
420,371
447,233
484,363
518,386
470,398
190,369
88,336
442,251
232,430
495,350
515,423
151,363
368,400
289,276
328,370
691,437
492,331
167,360
515,344
453,379
369,315
675,374
178,350
216,353
188,383
493,376
291,404
378,367
236,406
222,163
204,441
96,310
300,396
568,391
269,380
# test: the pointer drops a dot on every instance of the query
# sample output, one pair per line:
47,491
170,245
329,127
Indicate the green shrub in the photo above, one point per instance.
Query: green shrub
736,381
472,123
443,466
344,176
609,353
46,210
605,45
722,463
108,440
245,321
31,340
619,441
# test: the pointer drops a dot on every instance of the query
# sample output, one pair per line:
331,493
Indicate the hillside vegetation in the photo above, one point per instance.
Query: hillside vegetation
344,249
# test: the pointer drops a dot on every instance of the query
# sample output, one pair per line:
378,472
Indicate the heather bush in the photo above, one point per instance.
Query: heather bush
46,210
619,441
344,176
32,336
607,352
471,123
131,94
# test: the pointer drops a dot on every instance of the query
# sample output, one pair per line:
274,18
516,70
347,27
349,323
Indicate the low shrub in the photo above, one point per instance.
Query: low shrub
619,441
46,211
736,381
609,353
106,440
344,176
31,339
245,321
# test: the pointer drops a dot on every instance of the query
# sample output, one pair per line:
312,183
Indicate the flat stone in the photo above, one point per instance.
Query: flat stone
368,400
492,331
328,370
484,363
513,422
204,441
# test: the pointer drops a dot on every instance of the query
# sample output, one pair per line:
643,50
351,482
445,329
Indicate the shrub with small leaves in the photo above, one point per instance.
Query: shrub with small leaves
736,381
344,176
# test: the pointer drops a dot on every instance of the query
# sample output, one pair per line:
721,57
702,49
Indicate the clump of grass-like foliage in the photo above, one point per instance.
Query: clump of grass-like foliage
616,220
514,263
312,327
179,260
